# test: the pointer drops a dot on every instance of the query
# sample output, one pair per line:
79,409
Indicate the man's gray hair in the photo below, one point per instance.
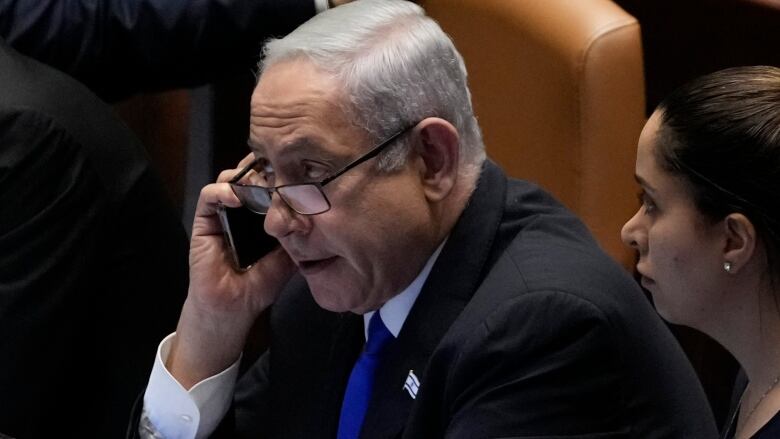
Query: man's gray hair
397,67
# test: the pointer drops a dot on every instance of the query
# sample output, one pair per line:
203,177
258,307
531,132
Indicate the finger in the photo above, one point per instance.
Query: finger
249,158
228,174
212,195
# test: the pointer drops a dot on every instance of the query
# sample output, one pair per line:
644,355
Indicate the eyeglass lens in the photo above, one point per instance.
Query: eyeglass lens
306,199
254,198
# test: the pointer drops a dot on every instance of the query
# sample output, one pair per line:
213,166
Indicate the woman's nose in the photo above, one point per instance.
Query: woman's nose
630,231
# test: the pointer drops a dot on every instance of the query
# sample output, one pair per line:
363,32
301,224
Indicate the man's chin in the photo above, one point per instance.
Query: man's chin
327,298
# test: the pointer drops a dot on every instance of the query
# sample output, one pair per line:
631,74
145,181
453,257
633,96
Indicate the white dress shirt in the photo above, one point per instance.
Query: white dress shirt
321,5
170,411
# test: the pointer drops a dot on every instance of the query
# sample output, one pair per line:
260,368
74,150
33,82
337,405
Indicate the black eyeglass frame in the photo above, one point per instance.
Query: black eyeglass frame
317,184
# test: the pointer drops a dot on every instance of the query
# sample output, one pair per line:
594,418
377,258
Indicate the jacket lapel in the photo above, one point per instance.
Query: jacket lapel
452,281
347,343
315,363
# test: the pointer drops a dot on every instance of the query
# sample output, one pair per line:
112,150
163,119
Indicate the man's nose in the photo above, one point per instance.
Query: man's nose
281,220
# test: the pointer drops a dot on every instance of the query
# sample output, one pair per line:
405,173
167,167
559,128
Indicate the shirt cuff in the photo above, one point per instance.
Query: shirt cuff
321,5
175,412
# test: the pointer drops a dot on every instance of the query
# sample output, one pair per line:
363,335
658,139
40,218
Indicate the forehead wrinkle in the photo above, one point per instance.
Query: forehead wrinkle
303,110
283,127
294,104
278,118
300,148
287,105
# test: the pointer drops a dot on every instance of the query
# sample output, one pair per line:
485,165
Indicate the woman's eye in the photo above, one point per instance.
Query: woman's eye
647,203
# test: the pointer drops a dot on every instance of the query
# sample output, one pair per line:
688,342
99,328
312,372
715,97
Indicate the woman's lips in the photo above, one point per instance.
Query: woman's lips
647,282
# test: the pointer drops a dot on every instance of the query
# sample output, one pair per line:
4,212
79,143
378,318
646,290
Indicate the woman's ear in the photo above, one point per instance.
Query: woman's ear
740,244
437,151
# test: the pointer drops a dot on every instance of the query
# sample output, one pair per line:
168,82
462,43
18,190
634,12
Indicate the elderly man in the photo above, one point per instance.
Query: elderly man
485,307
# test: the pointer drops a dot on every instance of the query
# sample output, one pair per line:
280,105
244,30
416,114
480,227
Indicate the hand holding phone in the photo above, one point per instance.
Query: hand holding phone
245,236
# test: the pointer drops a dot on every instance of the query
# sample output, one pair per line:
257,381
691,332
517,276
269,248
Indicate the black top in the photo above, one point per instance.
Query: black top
770,430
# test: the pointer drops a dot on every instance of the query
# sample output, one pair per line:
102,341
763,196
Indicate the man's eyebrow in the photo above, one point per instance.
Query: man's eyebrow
301,147
254,146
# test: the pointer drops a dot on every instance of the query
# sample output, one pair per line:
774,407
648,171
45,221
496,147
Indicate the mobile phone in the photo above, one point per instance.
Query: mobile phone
245,235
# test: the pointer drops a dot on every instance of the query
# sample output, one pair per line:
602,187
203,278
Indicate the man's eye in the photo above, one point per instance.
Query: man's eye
261,175
314,171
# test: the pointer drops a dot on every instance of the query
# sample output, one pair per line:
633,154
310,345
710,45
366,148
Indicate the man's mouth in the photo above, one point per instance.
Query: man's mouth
314,266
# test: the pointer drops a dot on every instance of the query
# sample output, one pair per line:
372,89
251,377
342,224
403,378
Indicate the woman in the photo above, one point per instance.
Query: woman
708,230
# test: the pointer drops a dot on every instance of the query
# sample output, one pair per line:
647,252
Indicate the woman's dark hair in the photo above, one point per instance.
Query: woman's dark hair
721,133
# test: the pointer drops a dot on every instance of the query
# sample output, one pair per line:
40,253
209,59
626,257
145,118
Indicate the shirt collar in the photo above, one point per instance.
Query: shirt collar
395,310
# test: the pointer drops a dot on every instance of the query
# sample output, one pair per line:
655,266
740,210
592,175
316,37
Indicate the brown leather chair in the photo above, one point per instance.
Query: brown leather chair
558,89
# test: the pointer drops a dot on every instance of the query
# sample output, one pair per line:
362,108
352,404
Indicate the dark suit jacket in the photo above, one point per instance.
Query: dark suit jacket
93,258
119,47
524,328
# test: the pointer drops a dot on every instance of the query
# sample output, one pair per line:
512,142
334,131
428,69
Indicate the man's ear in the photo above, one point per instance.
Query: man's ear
740,241
437,154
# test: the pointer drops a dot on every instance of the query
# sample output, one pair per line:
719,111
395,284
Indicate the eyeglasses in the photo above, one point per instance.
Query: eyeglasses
303,198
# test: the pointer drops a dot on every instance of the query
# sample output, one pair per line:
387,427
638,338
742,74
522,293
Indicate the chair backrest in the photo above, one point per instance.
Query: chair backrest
558,89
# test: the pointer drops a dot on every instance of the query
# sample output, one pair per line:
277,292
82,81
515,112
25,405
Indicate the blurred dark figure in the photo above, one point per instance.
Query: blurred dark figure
93,266
93,257
120,47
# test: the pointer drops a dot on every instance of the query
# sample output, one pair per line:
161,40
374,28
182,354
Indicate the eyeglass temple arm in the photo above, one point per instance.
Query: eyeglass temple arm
244,171
369,155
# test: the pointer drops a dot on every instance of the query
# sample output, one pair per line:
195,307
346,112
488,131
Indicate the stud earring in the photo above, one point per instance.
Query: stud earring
727,266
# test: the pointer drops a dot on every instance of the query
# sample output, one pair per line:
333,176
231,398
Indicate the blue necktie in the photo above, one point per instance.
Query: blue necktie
361,381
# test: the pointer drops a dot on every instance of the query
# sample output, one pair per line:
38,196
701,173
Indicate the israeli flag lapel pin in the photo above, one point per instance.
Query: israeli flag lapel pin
412,384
